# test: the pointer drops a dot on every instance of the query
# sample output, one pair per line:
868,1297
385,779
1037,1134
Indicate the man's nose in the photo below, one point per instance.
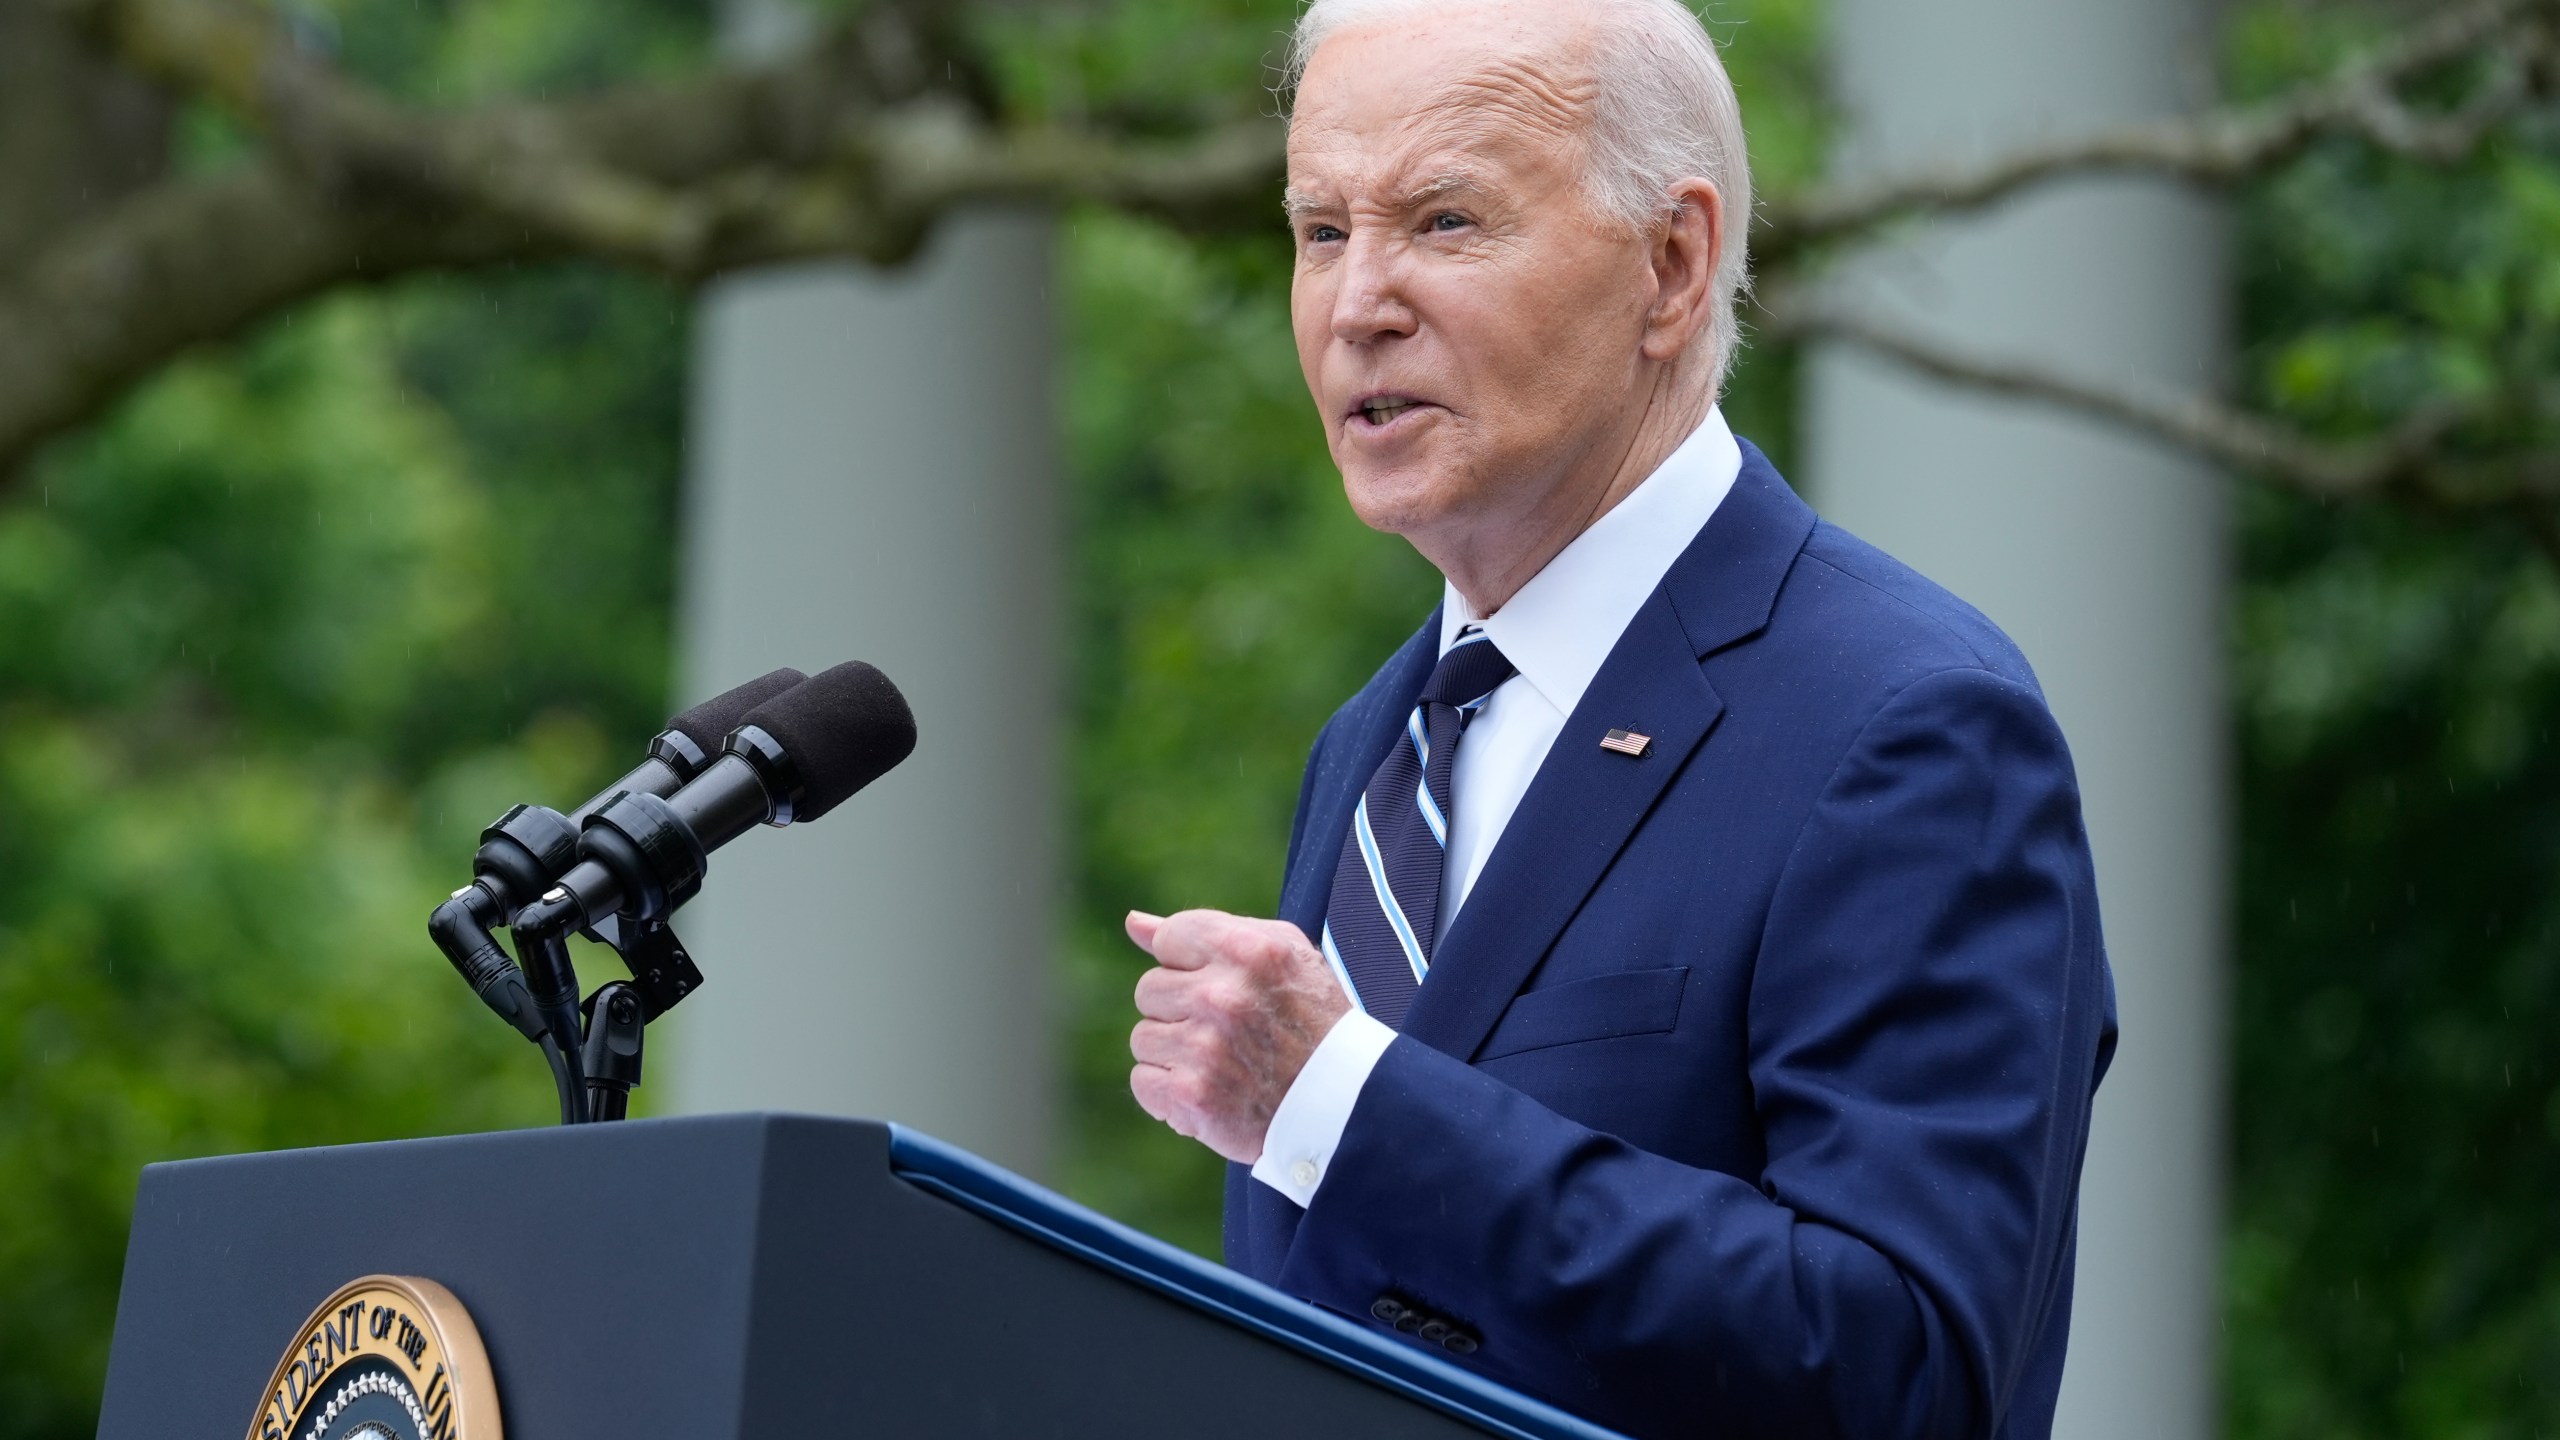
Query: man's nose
1371,305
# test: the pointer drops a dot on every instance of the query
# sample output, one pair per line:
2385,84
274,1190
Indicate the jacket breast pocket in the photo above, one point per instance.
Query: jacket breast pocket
1603,1007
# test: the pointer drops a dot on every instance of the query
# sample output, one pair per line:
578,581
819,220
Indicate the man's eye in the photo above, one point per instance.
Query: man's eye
1448,220
1323,234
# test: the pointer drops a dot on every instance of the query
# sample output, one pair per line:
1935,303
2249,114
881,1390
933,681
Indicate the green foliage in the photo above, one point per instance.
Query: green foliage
2391,1268
1163,64
277,638
2391,1265
275,641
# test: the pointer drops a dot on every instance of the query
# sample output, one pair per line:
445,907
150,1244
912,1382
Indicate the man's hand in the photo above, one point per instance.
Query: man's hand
1233,1009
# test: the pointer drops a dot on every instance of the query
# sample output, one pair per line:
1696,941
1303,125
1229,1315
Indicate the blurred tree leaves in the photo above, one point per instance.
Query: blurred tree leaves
275,641
281,634
2394,1249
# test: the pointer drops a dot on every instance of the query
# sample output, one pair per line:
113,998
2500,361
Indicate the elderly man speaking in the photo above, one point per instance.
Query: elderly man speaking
1688,995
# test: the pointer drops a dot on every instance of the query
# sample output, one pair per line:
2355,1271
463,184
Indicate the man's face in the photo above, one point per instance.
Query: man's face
1468,326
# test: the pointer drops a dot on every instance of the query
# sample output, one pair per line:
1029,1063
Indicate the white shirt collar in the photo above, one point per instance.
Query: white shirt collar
1561,626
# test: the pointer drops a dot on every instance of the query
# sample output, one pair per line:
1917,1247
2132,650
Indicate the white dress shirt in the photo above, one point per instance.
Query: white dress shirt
1557,630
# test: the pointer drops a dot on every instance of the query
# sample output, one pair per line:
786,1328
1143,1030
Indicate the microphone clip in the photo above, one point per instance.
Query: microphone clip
662,972
650,852
610,1058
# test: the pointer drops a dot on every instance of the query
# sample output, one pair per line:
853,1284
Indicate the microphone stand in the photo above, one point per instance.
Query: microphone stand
593,1048
616,1029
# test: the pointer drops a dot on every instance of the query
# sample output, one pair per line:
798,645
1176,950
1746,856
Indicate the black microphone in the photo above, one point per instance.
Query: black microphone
525,850
690,741
792,759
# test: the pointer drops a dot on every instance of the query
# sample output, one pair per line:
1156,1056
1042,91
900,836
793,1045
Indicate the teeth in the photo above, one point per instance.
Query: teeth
1382,411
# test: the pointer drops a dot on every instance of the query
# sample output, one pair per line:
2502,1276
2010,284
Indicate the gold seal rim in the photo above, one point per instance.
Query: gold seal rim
474,1383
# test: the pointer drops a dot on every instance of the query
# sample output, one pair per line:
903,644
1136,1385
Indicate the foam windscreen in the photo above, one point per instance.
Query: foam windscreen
710,722
843,729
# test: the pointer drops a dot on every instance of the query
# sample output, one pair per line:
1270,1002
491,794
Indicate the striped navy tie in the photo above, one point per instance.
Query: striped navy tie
1384,915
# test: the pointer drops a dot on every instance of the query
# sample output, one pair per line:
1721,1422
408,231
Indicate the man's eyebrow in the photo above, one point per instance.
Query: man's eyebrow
1447,182
1297,204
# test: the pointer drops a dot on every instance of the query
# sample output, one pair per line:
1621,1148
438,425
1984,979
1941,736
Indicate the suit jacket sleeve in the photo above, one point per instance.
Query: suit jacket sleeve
1927,1019
1306,792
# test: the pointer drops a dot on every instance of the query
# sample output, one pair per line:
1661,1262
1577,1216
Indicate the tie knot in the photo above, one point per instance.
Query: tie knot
1467,672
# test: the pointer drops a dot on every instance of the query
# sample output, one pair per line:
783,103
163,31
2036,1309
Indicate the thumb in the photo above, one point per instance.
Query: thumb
1142,928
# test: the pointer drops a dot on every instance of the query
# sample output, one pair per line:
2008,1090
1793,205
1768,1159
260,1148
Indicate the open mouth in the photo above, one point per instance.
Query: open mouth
1378,411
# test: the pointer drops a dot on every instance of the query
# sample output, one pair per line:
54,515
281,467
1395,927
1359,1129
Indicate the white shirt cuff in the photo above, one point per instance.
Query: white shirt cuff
1298,1148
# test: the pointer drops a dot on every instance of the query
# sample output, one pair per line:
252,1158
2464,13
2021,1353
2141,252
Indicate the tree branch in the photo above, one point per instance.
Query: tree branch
863,160
2405,460
186,262
854,149
2361,101
844,151
521,163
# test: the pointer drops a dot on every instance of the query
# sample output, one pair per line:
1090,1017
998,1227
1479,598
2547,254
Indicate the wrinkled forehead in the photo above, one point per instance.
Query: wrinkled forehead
1474,90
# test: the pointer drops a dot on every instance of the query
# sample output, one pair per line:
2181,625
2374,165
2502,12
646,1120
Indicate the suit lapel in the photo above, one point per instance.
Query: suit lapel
1586,802
1349,759
1574,819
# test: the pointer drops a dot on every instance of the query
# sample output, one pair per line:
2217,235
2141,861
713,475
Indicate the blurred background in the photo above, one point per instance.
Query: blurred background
321,546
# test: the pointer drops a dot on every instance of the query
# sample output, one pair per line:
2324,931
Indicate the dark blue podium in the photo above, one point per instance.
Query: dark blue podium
753,1276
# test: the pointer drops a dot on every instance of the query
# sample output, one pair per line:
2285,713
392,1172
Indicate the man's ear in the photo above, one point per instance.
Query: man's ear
1684,255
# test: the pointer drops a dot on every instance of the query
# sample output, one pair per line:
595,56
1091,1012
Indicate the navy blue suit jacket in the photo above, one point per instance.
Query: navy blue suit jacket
1749,1091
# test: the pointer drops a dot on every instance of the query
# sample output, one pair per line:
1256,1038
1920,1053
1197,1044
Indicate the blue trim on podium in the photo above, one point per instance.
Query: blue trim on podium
1009,1200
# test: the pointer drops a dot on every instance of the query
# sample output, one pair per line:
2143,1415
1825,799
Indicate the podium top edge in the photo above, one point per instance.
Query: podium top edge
1051,1218
740,1122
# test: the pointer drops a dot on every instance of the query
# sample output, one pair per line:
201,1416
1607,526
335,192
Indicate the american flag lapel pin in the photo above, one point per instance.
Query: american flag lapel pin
1627,742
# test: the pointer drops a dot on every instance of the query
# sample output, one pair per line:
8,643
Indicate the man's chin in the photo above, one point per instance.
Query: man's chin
1404,499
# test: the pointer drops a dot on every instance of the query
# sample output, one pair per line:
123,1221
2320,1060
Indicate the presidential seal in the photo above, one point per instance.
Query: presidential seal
389,1357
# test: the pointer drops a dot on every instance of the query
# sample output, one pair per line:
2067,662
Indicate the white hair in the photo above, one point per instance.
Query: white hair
1664,111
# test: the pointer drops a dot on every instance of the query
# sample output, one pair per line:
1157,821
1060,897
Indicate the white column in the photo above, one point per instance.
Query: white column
2103,556
873,477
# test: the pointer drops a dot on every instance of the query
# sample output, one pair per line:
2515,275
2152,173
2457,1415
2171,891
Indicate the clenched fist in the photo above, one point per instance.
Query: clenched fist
1232,1011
